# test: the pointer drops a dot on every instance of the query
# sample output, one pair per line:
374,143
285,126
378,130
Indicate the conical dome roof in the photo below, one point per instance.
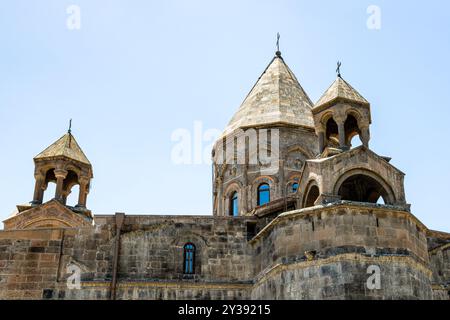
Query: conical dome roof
276,98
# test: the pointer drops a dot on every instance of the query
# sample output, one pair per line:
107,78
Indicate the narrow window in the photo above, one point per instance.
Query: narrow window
234,205
294,187
263,194
189,258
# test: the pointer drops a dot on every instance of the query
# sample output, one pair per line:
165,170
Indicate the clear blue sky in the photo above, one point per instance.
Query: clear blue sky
138,70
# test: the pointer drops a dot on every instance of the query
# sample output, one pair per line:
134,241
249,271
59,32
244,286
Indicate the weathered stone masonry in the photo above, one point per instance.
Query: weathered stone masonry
307,225
273,264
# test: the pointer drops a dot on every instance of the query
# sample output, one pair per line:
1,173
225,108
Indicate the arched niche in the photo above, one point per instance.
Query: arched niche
311,195
364,186
295,158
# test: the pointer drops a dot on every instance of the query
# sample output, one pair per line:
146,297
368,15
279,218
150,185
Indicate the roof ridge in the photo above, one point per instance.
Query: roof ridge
259,78
297,82
279,79
50,146
323,94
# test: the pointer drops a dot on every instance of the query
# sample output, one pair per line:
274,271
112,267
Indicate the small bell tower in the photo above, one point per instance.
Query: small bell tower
65,164
339,115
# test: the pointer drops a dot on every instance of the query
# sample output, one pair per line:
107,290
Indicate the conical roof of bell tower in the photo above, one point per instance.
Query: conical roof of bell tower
276,98
340,90
66,147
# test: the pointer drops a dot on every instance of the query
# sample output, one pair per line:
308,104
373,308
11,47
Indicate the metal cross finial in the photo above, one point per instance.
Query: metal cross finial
338,69
278,53
70,133
278,41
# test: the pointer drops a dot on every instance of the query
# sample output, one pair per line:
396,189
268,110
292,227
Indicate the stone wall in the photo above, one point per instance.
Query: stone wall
296,145
152,247
150,262
329,174
28,262
324,252
345,277
321,252
439,251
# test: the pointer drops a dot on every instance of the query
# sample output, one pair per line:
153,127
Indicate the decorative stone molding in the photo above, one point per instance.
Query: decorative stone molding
51,214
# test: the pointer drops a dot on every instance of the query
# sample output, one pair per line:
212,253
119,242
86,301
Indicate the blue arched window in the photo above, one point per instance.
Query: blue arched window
294,187
263,194
234,205
189,258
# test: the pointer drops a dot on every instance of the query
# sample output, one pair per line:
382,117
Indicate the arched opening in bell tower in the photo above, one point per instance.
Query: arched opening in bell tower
71,188
351,130
72,195
49,192
362,188
332,132
49,186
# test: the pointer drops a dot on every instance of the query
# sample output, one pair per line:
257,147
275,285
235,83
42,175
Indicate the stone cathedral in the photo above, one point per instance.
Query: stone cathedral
298,213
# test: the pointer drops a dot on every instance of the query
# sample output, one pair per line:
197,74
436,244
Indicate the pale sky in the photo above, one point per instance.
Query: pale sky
136,71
